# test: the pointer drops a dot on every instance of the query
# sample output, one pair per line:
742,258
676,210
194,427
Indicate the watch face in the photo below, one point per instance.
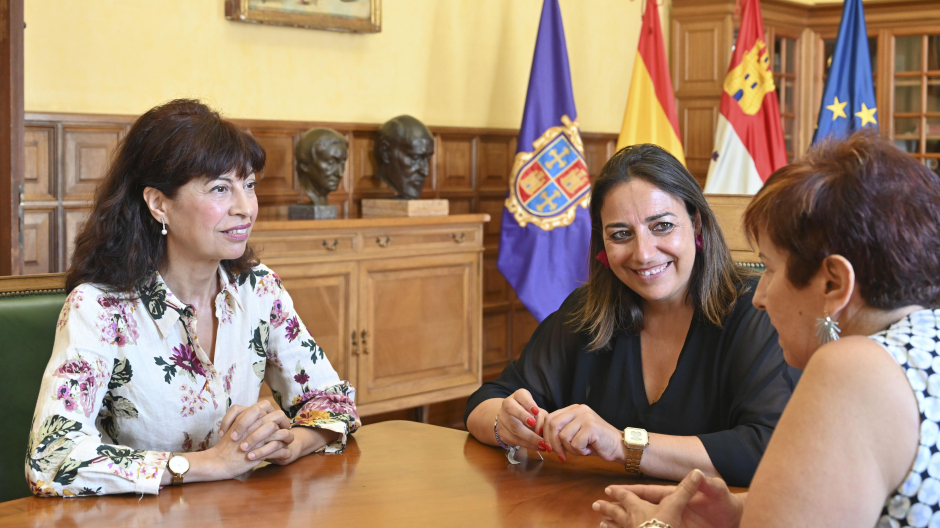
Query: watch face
178,465
637,437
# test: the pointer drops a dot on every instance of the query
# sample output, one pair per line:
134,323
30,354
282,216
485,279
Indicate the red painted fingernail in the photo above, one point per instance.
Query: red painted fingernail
530,421
535,410
548,448
561,458
540,430
541,443
541,448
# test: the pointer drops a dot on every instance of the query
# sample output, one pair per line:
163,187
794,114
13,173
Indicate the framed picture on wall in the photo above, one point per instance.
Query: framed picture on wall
357,16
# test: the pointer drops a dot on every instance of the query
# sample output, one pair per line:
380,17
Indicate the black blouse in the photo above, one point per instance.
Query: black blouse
729,387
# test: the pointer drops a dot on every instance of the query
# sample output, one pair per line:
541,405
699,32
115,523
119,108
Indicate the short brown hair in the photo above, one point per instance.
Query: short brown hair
609,305
865,200
120,243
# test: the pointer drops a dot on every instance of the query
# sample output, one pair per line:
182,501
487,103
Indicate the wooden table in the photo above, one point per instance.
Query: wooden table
392,474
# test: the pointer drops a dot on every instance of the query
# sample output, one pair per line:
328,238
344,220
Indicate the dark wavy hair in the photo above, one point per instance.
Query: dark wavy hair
120,244
608,304
866,200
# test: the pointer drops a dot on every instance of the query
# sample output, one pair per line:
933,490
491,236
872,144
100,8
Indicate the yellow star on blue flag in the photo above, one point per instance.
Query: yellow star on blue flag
867,115
838,108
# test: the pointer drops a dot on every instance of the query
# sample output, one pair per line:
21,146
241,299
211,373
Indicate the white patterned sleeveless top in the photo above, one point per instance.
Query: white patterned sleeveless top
914,342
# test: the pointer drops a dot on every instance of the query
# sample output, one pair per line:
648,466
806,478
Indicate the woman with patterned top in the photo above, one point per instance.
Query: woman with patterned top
172,324
850,236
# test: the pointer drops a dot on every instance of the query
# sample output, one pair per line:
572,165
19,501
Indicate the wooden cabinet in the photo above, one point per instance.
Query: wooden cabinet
396,304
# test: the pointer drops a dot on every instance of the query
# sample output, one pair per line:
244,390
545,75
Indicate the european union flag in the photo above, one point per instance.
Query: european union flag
849,98
546,226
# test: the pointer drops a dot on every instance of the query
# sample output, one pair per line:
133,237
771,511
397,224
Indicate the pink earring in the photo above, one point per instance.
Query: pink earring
699,244
602,258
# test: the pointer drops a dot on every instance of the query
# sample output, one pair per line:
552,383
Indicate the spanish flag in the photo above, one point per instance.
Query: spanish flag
651,108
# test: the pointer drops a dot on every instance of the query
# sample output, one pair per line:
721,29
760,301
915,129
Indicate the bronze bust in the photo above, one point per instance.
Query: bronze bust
403,150
321,158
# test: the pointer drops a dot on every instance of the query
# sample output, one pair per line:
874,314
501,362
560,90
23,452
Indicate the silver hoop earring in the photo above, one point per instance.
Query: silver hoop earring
826,329
163,221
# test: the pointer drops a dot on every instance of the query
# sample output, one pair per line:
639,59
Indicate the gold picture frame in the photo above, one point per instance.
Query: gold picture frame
353,16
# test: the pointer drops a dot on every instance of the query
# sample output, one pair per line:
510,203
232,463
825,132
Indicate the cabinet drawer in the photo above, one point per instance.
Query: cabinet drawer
455,237
293,245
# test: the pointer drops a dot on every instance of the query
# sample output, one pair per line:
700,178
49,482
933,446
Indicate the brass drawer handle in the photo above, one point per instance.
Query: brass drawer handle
355,345
331,247
383,243
460,239
365,347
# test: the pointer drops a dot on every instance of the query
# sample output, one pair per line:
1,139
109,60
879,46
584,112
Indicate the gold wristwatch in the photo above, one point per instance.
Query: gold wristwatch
636,441
178,466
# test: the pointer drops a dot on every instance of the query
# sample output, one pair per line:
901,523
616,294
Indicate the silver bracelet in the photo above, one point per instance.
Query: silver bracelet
495,432
654,523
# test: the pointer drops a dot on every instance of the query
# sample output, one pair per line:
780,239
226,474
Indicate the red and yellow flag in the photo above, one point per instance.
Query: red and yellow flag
651,109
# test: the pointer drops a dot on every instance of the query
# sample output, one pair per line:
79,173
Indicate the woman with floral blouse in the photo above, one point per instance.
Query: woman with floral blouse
172,324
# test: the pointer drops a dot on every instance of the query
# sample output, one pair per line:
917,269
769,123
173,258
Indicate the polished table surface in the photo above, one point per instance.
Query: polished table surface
392,474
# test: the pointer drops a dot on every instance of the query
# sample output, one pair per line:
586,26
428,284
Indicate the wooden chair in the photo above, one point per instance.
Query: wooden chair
729,208
29,309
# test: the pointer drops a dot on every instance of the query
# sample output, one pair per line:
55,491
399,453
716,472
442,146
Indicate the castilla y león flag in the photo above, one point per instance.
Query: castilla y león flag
651,111
749,138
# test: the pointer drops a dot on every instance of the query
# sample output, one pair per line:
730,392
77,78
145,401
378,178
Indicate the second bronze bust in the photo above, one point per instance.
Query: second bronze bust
403,150
321,158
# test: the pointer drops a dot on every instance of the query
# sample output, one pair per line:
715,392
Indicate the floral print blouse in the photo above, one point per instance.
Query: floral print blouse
128,383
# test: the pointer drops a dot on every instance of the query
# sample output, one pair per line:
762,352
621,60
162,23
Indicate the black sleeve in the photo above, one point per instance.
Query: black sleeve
756,385
543,365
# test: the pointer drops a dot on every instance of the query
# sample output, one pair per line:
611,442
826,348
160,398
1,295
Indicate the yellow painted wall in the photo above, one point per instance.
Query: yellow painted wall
447,62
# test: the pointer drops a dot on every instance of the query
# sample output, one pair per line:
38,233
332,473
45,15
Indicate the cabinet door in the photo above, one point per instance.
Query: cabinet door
323,298
421,316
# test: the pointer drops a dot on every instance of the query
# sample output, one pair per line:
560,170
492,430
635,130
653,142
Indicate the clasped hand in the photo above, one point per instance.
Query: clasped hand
697,502
250,435
574,429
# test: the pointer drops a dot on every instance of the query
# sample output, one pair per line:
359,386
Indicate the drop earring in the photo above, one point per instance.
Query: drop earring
163,221
826,329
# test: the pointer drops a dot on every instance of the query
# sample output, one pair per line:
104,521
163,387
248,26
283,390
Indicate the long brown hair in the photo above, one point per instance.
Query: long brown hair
608,305
120,244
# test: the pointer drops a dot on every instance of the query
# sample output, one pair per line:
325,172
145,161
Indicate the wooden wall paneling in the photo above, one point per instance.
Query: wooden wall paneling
596,152
806,86
496,344
493,207
700,59
455,162
523,325
39,177
698,118
88,150
39,240
278,185
73,219
495,155
362,156
11,132
495,288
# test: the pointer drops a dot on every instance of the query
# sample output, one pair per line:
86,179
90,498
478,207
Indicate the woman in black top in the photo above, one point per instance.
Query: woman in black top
663,339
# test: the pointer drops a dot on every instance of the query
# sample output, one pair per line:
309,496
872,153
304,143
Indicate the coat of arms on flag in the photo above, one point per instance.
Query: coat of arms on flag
551,180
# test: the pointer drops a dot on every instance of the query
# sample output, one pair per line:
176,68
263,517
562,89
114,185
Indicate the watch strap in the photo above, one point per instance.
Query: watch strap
632,463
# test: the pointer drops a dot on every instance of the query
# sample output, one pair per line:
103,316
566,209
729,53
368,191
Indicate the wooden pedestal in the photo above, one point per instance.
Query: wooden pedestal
404,208
395,303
